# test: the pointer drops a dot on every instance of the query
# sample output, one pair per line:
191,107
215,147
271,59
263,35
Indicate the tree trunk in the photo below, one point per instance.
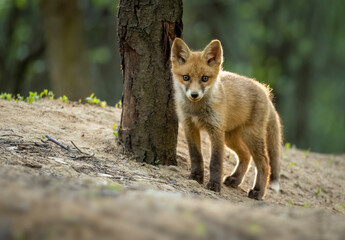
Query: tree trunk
149,124
69,70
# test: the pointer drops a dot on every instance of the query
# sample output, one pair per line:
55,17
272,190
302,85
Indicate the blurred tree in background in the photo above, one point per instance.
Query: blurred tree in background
297,47
31,56
66,50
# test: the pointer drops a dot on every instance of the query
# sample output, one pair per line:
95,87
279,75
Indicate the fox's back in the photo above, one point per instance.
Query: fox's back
246,99
243,86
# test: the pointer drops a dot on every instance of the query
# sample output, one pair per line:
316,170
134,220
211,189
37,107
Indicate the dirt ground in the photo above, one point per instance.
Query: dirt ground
47,192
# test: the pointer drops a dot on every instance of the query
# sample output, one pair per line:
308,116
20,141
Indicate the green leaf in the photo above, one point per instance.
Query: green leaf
44,93
340,208
51,95
306,152
200,229
254,228
115,187
291,164
21,4
306,205
103,104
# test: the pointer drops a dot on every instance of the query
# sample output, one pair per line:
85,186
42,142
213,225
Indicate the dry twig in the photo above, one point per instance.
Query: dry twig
77,147
83,154
11,135
60,144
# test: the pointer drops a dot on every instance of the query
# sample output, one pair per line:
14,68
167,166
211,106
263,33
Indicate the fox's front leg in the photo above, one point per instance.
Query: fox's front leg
216,163
194,144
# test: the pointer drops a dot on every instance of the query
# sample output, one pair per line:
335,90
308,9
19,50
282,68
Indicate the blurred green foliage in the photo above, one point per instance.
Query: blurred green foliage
297,47
92,99
23,62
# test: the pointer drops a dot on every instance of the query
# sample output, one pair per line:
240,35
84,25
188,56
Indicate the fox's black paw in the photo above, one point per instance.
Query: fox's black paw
197,177
255,194
231,181
214,186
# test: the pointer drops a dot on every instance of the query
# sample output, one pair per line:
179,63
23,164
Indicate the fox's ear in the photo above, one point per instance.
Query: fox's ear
213,53
179,51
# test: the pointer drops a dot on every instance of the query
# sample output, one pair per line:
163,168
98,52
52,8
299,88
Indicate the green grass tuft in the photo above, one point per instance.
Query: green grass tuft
92,99
64,98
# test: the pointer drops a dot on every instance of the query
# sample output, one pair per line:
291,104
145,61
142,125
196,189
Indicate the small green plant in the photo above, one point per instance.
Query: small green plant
156,161
340,207
51,95
33,96
291,164
330,161
19,98
287,145
254,228
318,191
103,104
306,205
114,187
115,132
290,203
200,229
63,99
118,104
46,93
6,96
306,152
94,100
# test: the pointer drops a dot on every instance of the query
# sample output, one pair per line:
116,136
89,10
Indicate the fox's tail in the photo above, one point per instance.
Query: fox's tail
274,147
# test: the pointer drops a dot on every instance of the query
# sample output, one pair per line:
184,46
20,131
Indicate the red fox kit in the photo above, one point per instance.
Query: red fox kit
235,111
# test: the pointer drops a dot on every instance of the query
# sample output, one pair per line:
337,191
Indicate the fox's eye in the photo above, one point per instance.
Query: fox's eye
185,77
204,78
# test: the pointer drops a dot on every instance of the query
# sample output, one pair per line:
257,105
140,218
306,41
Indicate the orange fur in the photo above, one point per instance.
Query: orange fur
236,111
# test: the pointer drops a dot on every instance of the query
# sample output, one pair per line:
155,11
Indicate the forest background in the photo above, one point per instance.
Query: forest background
297,47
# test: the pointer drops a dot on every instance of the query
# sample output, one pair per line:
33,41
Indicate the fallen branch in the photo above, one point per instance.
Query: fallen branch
78,148
11,135
84,155
60,144
6,129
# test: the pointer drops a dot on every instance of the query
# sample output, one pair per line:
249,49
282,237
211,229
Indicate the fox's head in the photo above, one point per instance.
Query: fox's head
196,72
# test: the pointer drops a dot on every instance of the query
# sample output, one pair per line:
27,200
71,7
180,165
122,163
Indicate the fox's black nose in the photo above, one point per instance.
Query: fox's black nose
194,94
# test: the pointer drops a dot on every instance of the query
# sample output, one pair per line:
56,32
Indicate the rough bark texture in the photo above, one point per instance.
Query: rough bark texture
146,30
67,54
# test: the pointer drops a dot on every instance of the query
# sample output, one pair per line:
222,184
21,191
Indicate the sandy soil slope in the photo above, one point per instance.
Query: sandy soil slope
47,192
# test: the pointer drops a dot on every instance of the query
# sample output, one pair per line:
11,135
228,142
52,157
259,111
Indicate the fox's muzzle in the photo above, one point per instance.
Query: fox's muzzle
194,96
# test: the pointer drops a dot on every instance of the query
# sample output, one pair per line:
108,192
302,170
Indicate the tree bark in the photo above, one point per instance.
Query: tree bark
67,56
146,30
